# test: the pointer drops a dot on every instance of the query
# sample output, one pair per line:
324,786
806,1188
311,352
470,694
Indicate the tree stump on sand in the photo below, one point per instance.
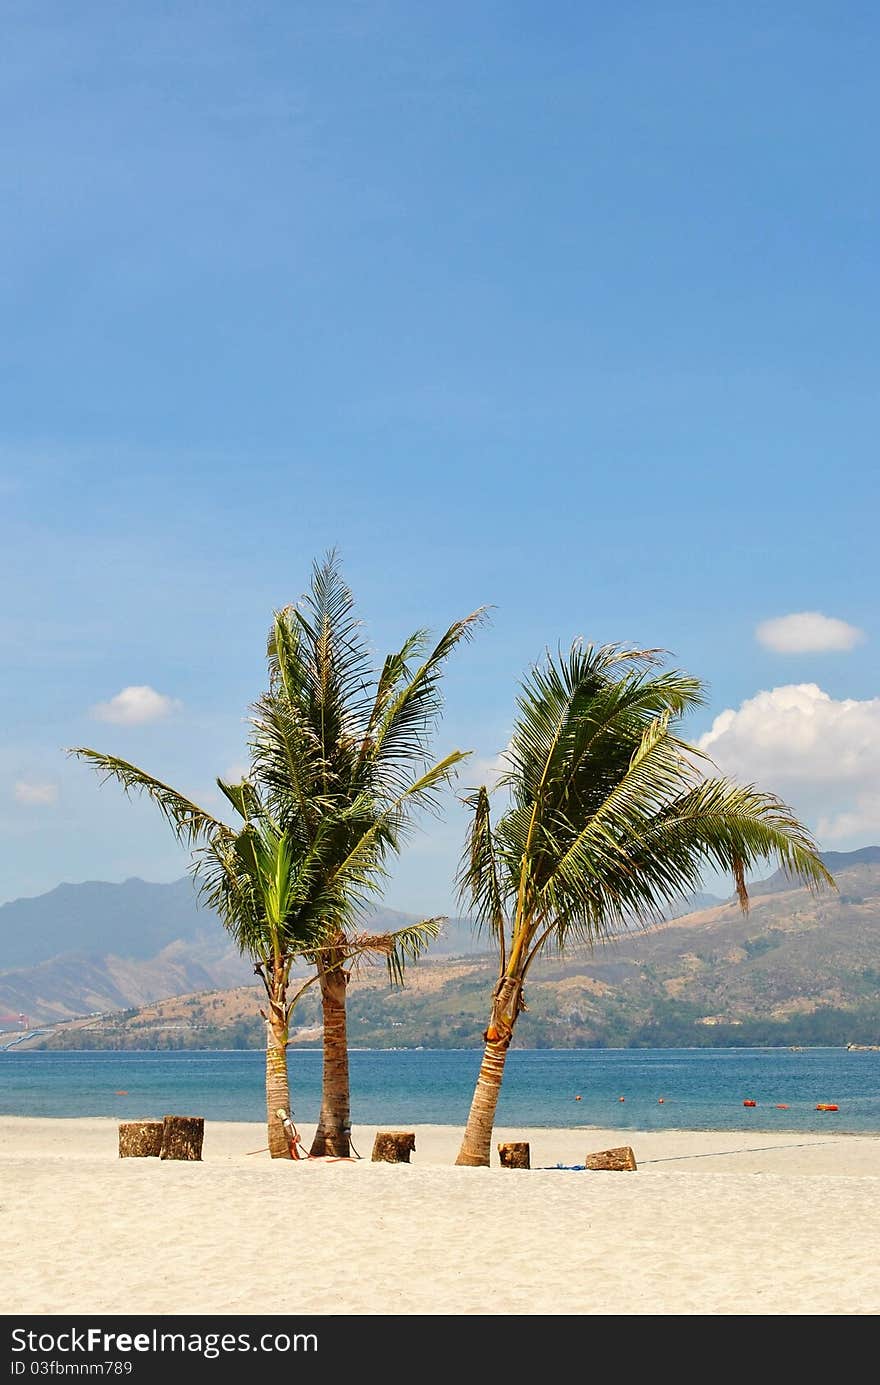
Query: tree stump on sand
618,1159
182,1137
515,1155
140,1139
393,1146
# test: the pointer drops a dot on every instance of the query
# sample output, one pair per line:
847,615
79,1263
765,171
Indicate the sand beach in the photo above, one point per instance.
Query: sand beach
708,1224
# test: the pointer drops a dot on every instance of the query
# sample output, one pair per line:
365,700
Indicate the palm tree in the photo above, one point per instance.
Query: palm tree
339,764
273,891
343,749
610,817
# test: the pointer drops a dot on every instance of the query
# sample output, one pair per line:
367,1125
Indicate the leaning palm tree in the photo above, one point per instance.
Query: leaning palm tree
332,733
274,890
610,817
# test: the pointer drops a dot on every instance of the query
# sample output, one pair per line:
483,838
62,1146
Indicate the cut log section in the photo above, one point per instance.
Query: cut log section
515,1155
182,1137
140,1139
618,1159
393,1146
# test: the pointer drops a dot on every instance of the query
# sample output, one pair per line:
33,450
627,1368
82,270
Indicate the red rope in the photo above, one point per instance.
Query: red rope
294,1144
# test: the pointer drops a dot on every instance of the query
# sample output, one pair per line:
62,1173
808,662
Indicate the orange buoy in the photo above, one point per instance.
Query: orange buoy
781,1106
826,1106
120,1093
750,1103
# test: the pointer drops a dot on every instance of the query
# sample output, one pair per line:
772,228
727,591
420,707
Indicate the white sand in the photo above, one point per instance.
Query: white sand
710,1223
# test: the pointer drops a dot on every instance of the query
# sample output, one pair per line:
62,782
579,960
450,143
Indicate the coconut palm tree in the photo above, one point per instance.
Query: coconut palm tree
609,817
332,733
274,889
339,765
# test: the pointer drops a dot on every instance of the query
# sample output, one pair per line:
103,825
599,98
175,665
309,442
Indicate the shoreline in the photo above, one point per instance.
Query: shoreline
709,1223
226,1141
624,1135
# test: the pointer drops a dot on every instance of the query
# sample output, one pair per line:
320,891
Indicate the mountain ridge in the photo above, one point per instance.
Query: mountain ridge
710,972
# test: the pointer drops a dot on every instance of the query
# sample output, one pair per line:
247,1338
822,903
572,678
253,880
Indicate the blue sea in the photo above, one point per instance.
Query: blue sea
701,1089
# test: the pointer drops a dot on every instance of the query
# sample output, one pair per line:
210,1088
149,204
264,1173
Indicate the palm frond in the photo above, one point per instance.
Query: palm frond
478,880
361,869
611,816
571,716
631,877
284,655
409,944
420,795
738,827
226,888
398,948
339,661
395,671
243,797
190,824
288,761
401,734
656,771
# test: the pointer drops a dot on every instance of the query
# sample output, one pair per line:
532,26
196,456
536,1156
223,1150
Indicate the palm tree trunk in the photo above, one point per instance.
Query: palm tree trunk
277,1085
333,1134
476,1143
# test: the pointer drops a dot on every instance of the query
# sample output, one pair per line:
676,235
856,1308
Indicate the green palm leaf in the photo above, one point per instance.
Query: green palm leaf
189,823
611,816
399,734
479,874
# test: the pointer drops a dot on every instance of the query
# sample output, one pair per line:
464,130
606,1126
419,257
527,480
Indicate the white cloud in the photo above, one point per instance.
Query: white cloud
236,772
860,823
807,632
485,771
35,795
134,706
820,754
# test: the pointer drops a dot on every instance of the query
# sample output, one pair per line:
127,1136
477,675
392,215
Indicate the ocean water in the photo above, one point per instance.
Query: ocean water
701,1089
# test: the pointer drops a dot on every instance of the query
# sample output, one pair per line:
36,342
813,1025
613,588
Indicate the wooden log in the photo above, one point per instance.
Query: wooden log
140,1139
182,1137
515,1155
621,1158
393,1146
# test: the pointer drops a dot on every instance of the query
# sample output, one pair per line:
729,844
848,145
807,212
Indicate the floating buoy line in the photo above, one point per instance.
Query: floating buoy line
747,1101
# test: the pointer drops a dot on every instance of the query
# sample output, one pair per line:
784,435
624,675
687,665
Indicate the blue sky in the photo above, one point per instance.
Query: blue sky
567,309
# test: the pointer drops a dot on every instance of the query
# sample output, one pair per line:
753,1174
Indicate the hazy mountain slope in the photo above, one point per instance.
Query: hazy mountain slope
135,918
100,946
836,861
798,968
74,984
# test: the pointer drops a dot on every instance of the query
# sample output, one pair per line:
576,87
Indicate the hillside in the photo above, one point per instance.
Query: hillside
92,918
798,969
100,946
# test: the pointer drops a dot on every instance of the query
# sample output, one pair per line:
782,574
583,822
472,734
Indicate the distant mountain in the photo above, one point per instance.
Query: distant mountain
102,947
76,984
689,903
798,968
834,860
135,918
